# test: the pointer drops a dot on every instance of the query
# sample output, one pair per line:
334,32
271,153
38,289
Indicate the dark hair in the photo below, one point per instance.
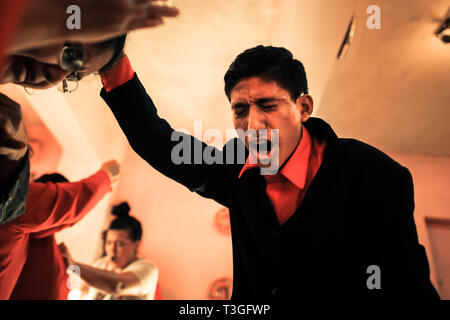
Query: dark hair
270,64
126,222
51,177
117,43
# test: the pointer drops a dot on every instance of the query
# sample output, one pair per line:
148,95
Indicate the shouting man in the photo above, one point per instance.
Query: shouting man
334,219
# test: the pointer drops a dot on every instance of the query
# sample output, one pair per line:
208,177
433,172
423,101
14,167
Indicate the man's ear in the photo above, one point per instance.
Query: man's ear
138,245
305,104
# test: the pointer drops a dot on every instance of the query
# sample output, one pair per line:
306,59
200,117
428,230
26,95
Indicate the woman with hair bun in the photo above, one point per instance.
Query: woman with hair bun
119,274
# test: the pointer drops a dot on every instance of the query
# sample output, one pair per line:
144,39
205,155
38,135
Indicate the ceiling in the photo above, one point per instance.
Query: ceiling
392,88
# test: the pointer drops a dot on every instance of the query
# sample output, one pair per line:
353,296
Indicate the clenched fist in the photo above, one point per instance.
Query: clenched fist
112,168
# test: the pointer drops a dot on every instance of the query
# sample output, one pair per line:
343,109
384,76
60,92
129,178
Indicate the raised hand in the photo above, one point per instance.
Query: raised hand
112,168
45,21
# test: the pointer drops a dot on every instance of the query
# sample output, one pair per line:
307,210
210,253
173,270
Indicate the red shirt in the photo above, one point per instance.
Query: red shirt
51,207
43,275
287,188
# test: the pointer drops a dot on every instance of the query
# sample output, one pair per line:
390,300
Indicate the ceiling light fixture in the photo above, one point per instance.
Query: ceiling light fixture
347,39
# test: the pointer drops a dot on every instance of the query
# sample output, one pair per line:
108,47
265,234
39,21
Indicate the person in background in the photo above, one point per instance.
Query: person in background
120,274
40,69
31,31
36,270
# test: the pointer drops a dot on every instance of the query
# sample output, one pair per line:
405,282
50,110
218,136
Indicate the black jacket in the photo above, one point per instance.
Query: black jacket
357,212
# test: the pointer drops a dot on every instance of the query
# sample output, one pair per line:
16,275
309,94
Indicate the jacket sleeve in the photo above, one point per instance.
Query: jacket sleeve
403,261
177,155
54,206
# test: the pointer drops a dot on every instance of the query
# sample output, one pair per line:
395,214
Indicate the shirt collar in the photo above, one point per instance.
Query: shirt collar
296,167
248,165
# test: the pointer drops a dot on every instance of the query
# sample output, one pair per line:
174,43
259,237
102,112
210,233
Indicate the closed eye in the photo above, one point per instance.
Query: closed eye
240,113
269,107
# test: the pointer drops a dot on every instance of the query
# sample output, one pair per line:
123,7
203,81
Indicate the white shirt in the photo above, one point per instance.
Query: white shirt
145,271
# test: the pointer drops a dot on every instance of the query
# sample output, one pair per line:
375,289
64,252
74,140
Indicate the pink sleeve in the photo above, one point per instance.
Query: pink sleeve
51,207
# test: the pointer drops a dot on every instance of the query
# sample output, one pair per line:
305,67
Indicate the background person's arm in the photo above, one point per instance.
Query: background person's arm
54,206
45,21
126,283
111,282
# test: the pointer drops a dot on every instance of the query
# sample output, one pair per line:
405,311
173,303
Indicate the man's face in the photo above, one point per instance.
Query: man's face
258,104
40,69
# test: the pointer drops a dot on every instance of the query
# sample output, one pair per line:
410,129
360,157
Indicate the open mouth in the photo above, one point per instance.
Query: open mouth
261,146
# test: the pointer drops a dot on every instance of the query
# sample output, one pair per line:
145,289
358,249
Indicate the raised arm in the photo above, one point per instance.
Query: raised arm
54,206
177,155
